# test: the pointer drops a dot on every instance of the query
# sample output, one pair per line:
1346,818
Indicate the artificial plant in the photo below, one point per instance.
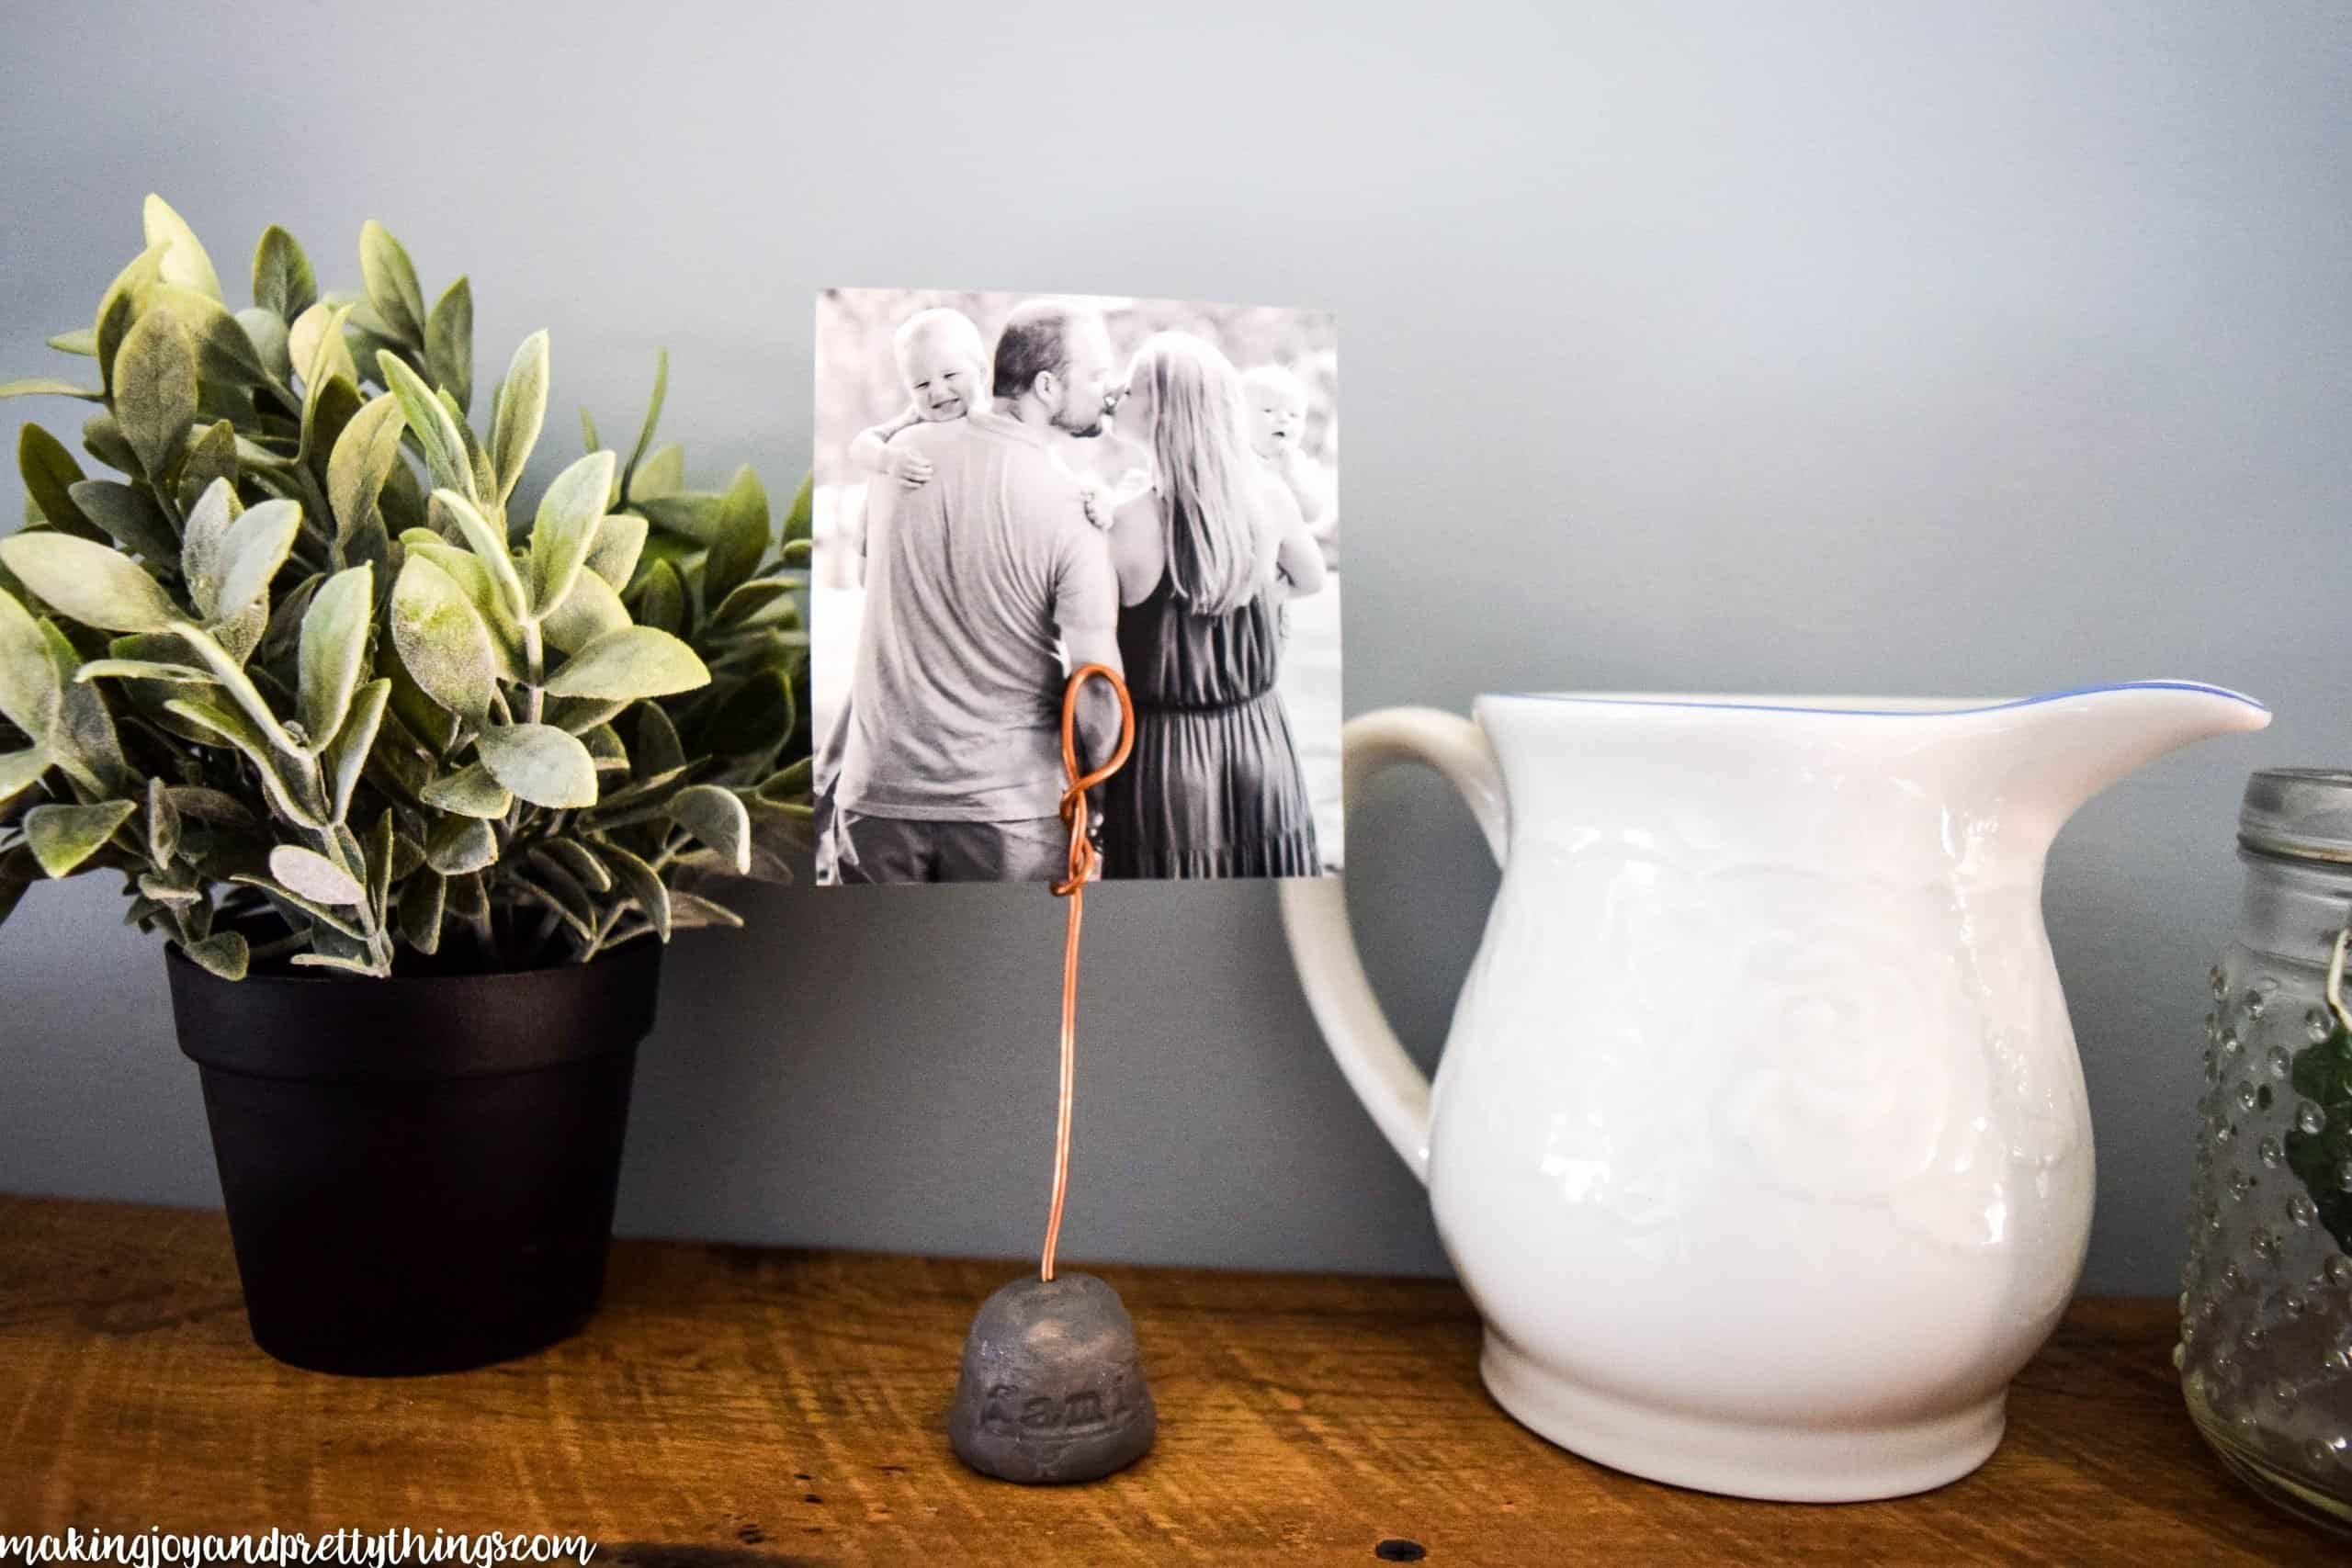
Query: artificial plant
308,655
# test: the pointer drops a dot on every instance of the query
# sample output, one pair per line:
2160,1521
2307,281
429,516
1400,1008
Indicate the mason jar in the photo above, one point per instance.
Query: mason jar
2266,1309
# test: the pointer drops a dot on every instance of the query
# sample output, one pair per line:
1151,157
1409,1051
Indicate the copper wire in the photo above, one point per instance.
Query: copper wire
1073,888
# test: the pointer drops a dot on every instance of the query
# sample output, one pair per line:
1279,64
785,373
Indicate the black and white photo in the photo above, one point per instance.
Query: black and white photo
1010,487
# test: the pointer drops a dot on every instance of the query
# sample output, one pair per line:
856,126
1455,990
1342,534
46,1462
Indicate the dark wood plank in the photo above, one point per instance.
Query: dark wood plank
736,1406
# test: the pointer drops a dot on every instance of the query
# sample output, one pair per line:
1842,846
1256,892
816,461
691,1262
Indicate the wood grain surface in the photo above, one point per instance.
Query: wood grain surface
740,1408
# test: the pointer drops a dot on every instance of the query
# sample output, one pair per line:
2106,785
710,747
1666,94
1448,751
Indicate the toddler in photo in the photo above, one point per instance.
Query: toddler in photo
1276,403
944,367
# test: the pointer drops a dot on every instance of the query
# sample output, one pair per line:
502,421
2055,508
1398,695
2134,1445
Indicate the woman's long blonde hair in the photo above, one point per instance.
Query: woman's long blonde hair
1208,477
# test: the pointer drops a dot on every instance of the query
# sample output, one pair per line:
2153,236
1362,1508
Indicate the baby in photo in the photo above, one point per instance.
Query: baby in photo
1277,402
945,366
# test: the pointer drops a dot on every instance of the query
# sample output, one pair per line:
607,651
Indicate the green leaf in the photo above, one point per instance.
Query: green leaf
604,743
346,755
83,341
51,387
625,665
232,728
250,552
581,715
212,455
642,885
227,669
19,770
755,717
273,343
334,650
652,418
522,409
658,749
746,603
799,522
283,280
201,563
449,343
578,860
541,763
128,514
555,887
489,544
716,817
383,855
436,430
742,539
121,306
144,669
663,472
467,568
82,740
467,899
93,584
662,602
485,476
184,262
461,844
284,635
314,876
209,806
789,785
565,529
63,837
424,900
347,964
470,792
225,355
51,473
691,911
315,343
441,639
325,417
590,611
223,954
390,278
318,914
689,514
154,388
361,460
620,539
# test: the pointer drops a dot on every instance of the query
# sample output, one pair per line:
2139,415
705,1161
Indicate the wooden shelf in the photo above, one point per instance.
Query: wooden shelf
733,1407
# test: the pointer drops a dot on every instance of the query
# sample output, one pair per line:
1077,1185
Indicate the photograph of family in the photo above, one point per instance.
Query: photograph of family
1011,487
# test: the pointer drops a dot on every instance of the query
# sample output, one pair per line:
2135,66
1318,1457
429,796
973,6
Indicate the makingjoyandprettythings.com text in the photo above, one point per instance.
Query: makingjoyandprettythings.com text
381,1549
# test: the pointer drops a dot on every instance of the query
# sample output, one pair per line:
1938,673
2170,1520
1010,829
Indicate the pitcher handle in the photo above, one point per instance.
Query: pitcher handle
1323,944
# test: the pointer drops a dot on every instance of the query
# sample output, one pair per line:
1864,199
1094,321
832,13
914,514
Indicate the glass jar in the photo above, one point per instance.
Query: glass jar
2266,1309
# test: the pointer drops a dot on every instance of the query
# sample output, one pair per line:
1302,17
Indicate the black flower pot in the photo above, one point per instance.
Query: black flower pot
420,1171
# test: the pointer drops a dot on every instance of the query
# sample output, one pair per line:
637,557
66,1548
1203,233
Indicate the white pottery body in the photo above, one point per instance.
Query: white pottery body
1759,1138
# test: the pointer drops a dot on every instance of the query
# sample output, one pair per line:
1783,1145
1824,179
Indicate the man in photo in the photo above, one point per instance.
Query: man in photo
978,580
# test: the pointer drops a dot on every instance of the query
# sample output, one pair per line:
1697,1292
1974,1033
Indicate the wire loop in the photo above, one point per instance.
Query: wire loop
1073,888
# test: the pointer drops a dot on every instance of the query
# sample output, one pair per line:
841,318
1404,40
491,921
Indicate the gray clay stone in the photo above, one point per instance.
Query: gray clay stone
1052,1387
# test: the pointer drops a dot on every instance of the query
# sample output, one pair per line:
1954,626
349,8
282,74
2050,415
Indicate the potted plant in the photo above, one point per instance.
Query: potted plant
416,780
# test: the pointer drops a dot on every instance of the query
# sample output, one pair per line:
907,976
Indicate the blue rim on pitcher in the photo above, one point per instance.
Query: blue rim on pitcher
1956,706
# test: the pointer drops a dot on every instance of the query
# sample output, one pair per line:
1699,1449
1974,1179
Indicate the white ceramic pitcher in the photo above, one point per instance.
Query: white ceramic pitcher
1760,1139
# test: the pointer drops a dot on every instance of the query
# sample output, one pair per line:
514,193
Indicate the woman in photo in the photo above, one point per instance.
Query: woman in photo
1205,558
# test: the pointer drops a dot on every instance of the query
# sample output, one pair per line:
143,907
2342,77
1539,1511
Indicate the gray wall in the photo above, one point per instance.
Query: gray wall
1958,349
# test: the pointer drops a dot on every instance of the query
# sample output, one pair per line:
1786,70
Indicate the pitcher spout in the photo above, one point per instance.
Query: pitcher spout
2065,748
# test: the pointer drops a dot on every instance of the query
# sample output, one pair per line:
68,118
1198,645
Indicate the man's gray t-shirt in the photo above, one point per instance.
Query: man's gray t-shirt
955,709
